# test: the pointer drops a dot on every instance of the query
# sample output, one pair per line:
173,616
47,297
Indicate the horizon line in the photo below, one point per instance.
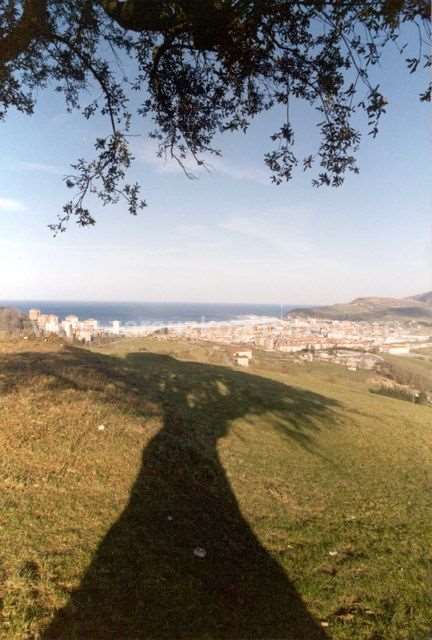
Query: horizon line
88,301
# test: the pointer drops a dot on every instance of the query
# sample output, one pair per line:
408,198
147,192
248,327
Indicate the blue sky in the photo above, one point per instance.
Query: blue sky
230,235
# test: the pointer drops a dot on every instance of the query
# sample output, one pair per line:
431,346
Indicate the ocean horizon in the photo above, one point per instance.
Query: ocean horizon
147,313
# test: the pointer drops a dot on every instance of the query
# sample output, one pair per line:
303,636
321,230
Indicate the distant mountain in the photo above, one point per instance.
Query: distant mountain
374,308
424,297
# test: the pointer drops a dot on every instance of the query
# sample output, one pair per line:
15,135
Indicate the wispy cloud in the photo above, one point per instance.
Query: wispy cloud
41,167
271,231
216,165
148,154
246,172
12,205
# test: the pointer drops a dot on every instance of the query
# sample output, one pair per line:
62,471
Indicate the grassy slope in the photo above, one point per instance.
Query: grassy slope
419,364
330,482
370,310
414,371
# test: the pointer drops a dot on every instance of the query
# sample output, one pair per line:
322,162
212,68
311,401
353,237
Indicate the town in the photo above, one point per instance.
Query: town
71,328
350,343
354,344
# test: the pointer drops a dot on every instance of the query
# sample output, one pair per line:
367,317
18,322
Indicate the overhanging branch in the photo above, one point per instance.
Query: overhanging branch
32,25
146,15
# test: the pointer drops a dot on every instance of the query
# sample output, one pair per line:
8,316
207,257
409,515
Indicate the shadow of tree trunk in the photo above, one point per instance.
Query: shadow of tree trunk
146,579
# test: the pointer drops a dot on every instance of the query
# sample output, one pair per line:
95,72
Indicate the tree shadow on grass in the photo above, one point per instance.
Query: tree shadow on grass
145,581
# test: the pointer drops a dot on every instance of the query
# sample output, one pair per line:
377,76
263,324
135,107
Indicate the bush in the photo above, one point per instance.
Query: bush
403,393
11,320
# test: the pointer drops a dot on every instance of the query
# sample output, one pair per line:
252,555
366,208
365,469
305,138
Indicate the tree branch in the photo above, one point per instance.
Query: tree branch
32,25
146,15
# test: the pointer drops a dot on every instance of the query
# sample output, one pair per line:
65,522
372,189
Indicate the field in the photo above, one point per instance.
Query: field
150,491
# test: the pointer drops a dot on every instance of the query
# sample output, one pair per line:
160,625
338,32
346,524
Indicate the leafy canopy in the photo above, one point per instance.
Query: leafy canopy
199,68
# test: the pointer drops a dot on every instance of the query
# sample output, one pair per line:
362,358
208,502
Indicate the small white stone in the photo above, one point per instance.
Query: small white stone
333,553
169,518
101,427
199,552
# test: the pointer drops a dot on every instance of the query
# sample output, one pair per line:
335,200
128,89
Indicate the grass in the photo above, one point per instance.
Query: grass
412,371
310,496
414,365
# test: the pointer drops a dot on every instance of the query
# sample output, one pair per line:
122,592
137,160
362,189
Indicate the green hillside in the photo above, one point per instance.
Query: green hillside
414,371
374,309
148,491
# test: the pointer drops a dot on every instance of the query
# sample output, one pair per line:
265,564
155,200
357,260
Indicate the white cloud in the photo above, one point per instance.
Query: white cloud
283,234
41,167
215,165
12,205
148,154
220,165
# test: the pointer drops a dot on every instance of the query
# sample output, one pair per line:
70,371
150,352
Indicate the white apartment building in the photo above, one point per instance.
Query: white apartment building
73,321
89,325
116,327
34,314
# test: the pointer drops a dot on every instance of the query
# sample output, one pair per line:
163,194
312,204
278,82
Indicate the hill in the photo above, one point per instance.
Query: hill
424,297
373,309
148,492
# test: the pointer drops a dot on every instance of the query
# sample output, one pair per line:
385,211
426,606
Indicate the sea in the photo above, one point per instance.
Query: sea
154,313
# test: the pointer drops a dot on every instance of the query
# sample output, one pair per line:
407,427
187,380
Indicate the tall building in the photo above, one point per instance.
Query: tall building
34,314
73,321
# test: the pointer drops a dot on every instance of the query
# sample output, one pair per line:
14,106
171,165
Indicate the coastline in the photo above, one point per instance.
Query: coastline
161,315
